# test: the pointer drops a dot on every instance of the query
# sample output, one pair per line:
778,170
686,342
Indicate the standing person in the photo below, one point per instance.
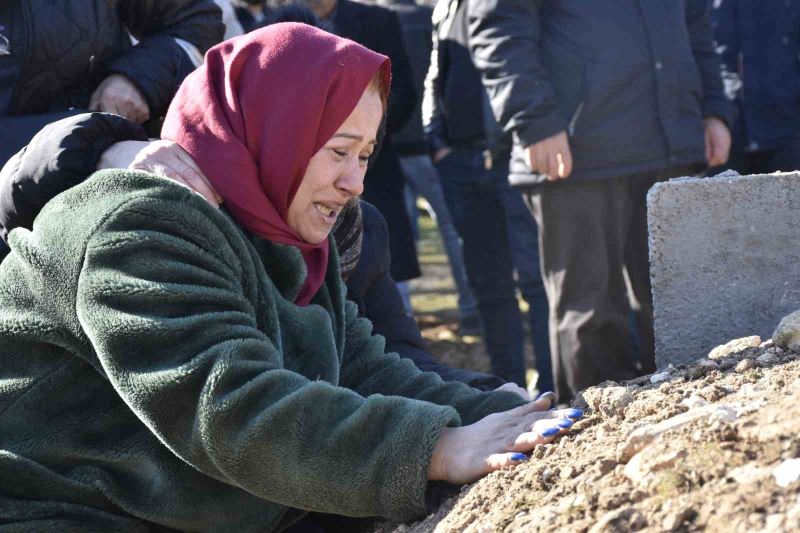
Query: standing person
471,156
412,148
165,364
760,49
378,29
60,55
603,99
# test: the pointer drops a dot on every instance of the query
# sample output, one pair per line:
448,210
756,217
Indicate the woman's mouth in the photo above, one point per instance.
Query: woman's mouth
328,213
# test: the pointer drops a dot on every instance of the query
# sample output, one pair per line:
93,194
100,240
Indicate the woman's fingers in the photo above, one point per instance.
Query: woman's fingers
542,432
500,460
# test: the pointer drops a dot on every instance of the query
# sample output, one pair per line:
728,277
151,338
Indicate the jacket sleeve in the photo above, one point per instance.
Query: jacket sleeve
165,302
505,38
384,308
701,34
368,370
433,118
59,157
158,64
403,96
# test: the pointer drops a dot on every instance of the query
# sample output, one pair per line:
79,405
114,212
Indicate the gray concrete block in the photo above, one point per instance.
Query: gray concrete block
724,260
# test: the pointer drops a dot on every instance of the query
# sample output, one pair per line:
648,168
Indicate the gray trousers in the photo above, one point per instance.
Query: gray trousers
595,267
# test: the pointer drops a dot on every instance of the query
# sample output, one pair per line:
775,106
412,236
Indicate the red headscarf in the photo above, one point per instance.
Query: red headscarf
257,110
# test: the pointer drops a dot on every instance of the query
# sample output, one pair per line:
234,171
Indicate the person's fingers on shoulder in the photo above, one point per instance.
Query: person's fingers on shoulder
196,182
208,189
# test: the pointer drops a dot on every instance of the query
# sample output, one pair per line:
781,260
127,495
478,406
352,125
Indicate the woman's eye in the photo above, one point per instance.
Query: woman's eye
340,153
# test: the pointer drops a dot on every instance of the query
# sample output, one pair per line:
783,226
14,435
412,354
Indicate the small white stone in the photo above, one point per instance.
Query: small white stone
693,401
787,472
724,413
734,346
744,365
660,377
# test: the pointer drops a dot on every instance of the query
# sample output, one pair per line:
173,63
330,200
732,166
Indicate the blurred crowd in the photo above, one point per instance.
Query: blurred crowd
533,131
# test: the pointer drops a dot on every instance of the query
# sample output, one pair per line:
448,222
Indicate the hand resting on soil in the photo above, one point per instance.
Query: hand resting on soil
465,454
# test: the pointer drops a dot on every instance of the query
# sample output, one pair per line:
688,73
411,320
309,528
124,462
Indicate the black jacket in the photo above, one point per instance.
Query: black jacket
629,80
455,110
378,29
65,153
62,49
415,21
66,47
760,48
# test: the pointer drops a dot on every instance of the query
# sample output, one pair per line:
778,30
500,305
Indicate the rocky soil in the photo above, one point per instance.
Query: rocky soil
712,446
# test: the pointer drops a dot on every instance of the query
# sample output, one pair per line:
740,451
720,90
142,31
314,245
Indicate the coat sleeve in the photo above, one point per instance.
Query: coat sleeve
403,96
433,117
505,38
59,157
704,49
384,308
165,299
158,64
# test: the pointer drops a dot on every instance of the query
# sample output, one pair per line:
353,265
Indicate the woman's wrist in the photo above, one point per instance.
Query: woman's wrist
437,471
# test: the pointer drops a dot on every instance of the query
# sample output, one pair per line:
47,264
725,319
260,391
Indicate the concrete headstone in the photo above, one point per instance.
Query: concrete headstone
724,260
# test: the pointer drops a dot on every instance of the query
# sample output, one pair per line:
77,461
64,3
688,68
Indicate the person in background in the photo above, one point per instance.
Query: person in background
250,13
471,157
59,56
603,99
378,29
412,148
759,43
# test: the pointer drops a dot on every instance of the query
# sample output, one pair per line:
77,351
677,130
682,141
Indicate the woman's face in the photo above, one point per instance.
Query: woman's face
336,172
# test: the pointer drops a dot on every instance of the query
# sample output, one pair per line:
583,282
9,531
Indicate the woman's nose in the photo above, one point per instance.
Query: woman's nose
351,182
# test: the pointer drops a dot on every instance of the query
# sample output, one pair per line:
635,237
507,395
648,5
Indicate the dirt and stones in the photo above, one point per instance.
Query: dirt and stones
709,446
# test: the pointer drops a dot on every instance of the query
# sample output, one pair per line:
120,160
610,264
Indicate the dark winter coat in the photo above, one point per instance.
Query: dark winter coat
415,21
65,153
378,29
372,288
62,49
455,108
155,370
66,47
629,80
760,48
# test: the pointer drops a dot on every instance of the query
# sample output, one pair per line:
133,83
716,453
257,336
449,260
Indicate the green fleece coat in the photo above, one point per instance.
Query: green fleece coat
154,370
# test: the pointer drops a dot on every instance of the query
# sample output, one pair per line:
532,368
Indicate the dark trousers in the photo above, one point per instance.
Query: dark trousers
479,201
594,255
784,157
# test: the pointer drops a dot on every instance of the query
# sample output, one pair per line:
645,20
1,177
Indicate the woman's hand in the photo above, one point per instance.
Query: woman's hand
464,454
164,158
